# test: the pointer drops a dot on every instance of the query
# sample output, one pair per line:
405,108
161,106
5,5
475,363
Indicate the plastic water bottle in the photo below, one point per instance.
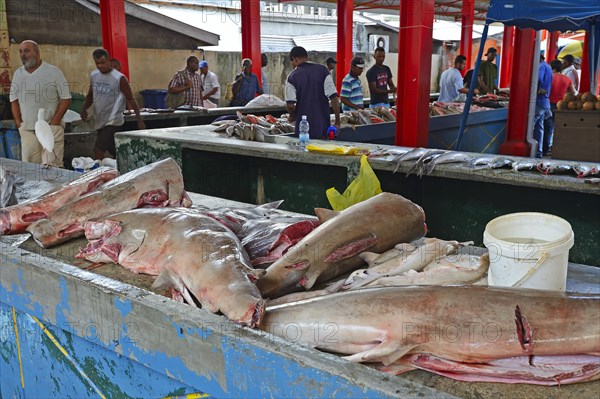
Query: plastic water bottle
303,136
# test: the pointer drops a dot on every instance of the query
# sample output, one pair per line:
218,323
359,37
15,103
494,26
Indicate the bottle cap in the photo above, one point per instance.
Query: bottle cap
303,117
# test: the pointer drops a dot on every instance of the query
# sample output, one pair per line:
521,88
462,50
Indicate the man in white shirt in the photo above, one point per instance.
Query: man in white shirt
37,85
451,82
570,71
210,82
577,65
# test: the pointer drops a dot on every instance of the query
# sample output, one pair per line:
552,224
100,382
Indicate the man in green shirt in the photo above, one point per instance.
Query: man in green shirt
488,73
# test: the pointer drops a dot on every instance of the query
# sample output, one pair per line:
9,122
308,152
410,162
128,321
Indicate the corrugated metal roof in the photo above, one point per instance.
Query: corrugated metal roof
271,43
326,42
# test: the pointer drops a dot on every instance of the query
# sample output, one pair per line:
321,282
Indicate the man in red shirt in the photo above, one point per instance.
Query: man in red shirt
560,85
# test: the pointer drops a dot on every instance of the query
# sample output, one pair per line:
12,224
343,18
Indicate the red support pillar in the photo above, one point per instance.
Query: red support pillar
552,46
251,34
585,82
466,35
520,90
507,56
114,31
414,72
345,26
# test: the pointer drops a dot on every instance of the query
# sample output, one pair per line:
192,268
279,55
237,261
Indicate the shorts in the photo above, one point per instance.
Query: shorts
105,139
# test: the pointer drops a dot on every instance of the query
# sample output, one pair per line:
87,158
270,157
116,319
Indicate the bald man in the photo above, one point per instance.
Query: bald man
36,85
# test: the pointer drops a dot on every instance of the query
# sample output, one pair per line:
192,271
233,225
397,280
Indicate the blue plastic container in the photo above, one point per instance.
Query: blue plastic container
2,152
12,143
155,99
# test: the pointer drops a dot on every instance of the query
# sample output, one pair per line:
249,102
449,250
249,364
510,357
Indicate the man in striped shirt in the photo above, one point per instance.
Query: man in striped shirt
188,81
352,93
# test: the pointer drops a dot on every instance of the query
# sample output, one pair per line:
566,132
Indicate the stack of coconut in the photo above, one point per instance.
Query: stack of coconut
582,102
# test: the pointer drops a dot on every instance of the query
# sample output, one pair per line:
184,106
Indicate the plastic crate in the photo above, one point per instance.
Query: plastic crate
155,99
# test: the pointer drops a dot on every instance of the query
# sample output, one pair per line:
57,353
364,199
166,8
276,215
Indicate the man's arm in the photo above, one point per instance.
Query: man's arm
259,89
335,104
126,90
63,106
179,84
290,100
87,102
392,86
237,84
16,111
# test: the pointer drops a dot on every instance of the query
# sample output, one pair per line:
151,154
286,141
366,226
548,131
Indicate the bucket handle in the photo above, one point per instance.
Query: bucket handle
531,271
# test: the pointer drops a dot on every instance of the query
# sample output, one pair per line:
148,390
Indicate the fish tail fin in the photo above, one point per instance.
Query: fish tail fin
368,257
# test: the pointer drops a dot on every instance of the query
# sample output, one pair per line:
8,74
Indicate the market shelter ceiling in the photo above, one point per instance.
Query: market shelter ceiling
446,9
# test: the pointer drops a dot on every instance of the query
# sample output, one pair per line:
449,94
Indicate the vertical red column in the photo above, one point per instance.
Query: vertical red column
466,35
552,46
585,82
507,56
520,89
114,31
251,35
345,25
414,72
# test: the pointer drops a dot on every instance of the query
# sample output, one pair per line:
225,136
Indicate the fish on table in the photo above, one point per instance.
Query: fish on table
468,333
190,252
333,248
8,189
159,184
16,218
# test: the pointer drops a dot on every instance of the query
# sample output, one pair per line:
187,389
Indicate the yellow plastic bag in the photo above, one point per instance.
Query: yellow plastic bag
365,186
336,149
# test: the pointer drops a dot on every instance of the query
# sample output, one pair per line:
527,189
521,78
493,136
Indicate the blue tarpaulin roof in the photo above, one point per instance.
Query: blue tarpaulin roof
553,15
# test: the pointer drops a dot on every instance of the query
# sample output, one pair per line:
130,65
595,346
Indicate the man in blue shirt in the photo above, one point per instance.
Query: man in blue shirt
452,87
246,85
308,90
352,93
542,104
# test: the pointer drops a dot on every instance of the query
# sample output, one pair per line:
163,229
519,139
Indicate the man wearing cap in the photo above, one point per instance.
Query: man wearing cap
188,81
452,87
330,62
246,85
351,94
308,90
570,71
210,83
379,77
488,73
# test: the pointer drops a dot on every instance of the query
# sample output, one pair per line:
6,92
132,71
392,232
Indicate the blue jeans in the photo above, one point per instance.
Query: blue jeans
541,114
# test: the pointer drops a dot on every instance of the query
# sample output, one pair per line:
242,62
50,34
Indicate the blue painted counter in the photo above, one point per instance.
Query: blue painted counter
486,130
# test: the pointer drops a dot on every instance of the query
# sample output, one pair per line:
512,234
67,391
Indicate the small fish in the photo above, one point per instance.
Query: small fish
546,167
413,154
480,161
382,153
582,170
524,165
500,162
449,157
424,159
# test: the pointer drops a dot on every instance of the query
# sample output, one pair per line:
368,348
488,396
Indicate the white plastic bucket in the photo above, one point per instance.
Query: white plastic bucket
528,250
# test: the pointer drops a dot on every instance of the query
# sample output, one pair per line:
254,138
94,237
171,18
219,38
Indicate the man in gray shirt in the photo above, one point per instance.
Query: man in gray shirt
38,85
109,91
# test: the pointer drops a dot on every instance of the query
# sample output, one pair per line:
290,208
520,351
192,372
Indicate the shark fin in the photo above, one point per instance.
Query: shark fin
386,352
